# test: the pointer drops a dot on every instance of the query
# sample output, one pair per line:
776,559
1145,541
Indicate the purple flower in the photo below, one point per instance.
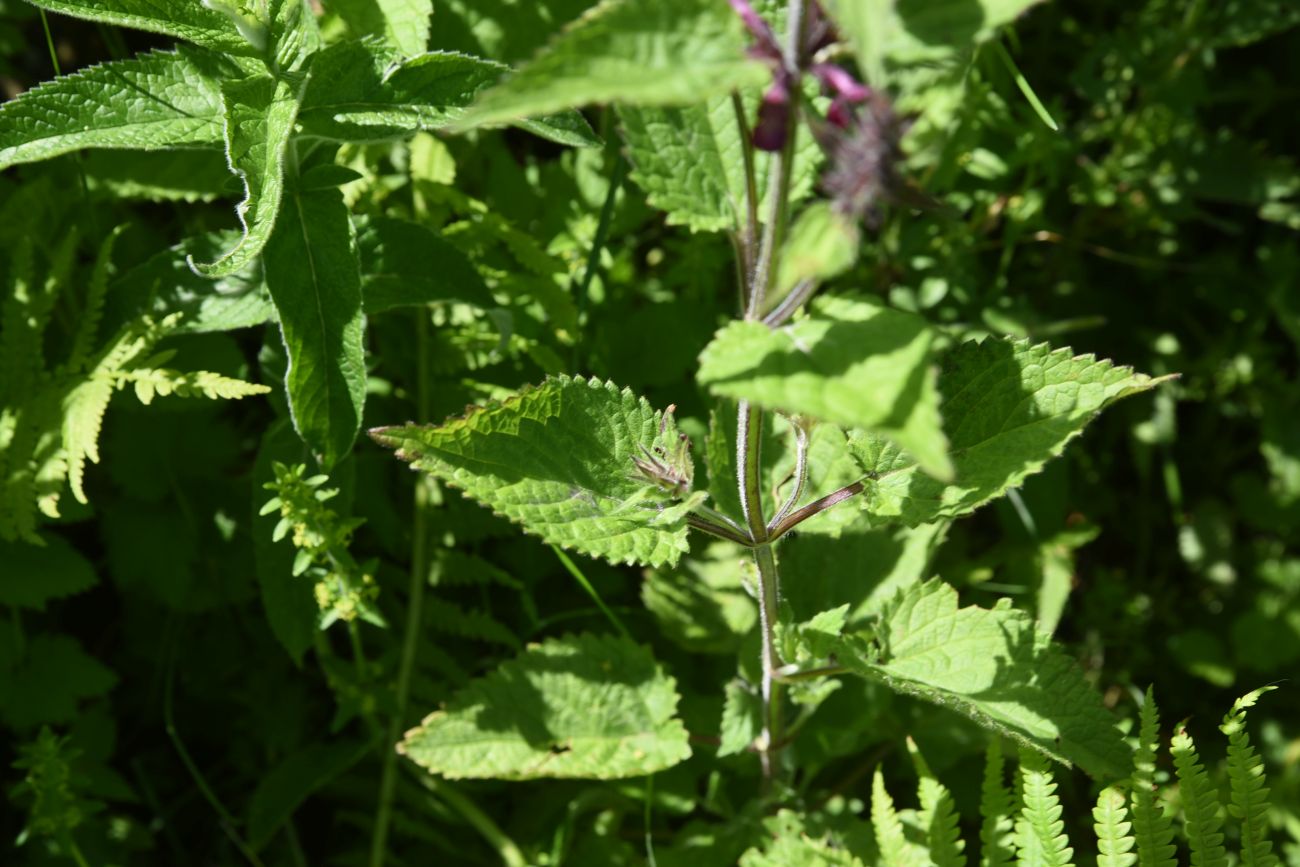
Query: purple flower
864,153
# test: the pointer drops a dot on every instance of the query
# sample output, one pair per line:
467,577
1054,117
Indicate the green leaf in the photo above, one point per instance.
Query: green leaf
1202,815
702,605
35,574
49,680
259,117
404,24
1009,407
788,842
822,244
404,264
1153,829
1114,842
993,666
558,459
742,718
938,815
165,284
312,272
886,32
585,706
1249,803
190,20
1040,834
640,52
851,361
283,789
360,92
160,99
688,161
997,808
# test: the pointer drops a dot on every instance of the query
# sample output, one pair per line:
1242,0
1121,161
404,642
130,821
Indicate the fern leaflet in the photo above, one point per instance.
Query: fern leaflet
1202,820
938,815
1249,801
1040,833
996,809
1152,827
1114,842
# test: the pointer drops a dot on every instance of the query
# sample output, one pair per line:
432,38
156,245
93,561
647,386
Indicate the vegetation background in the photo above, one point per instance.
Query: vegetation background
1157,226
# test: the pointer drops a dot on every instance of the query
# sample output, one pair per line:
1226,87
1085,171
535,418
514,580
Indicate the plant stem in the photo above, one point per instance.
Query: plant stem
414,607
597,245
800,477
507,849
718,530
768,590
794,519
751,186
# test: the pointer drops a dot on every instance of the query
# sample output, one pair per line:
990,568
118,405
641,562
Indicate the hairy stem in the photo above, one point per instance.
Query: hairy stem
718,530
800,477
768,590
794,519
751,186
414,608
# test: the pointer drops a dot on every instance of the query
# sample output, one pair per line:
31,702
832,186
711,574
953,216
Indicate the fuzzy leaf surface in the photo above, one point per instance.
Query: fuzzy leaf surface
361,92
557,459
404,24
259,116
1008,408
993,666
189,20
852,362
584,706
315,282
160,99
640,52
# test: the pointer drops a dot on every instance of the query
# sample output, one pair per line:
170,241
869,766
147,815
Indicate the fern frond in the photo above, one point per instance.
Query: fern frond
1249,801
1040,834
1152,826
1202,820
446,616
83,341
83,418
997,807
151,382
938,816
453,568
890,838
1114,842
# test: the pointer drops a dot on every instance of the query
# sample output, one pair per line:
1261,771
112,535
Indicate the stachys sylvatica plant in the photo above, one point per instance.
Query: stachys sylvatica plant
832,411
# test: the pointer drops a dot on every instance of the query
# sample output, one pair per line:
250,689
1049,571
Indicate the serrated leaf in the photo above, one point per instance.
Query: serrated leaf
190,20
313,275
404,263
259,117
160,99
1009,407
558,459
994,667
852,362
35,574
639,52
361,92
165,284
404,24
689,160
584,706
45,685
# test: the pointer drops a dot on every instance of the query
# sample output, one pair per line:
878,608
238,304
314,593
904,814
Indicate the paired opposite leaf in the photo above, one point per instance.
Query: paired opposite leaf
1008,408
160,99
641,52
312,272
852,362
259,117
558,459
996,668
585,706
